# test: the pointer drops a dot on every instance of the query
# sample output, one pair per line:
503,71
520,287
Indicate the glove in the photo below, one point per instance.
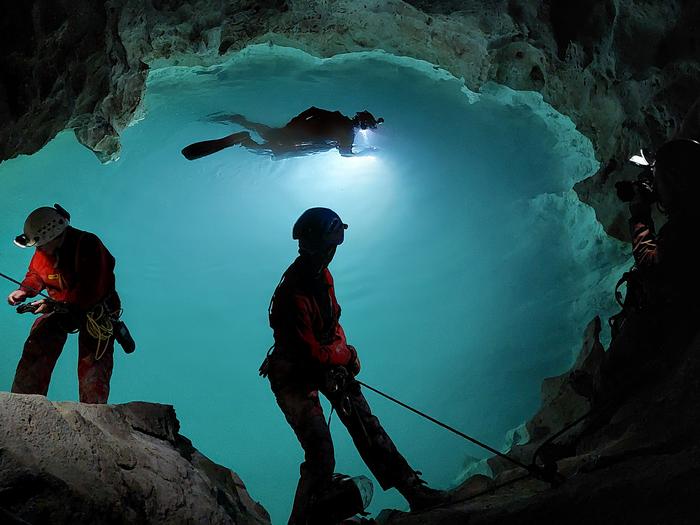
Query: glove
354,364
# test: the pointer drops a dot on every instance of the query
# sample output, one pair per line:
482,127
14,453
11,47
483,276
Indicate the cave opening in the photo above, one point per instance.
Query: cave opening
468,274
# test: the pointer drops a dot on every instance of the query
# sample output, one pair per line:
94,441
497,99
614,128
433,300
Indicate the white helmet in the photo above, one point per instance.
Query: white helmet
42,226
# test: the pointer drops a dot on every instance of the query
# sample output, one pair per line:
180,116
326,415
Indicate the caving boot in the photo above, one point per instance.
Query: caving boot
419,495
344,498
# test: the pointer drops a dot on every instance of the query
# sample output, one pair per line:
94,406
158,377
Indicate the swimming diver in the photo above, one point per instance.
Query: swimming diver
314,130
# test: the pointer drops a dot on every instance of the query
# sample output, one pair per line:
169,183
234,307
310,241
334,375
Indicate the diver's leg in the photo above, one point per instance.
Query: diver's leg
301,407
39,356
277,136
260,129
95,364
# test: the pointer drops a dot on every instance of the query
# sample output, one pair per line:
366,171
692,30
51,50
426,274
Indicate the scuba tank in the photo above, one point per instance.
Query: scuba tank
344,498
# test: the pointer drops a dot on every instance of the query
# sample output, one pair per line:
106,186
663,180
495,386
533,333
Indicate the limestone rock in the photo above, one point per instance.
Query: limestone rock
561,403
117,464
625,71
642,467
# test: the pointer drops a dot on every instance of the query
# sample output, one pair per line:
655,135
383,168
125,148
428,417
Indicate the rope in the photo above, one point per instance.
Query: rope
39,292
491,490
99,326
563,431
443,425
533,469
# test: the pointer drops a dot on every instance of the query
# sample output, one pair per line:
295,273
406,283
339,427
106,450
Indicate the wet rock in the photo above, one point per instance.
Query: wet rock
642,466
77,463
562,403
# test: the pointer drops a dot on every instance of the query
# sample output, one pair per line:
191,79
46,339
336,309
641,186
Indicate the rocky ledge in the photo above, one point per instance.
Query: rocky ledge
67,463
640,465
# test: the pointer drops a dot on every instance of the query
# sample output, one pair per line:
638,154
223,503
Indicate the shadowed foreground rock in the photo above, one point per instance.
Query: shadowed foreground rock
643,467
64,463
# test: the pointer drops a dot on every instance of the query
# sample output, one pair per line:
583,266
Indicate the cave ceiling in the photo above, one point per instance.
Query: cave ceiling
625,71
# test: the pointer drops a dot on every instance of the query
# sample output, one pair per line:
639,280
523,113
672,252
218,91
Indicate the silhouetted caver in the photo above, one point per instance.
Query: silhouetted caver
311,355
660,312
77,272
314,130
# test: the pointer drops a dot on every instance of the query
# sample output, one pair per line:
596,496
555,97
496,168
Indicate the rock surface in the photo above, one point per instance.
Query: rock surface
625,71
67,463
641,467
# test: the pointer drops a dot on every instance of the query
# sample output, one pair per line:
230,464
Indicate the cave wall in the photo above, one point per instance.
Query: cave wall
625,71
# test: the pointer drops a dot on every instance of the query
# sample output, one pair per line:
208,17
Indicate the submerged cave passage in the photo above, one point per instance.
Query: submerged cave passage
468,273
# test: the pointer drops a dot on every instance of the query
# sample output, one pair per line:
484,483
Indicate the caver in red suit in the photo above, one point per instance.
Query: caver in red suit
309,345
77,272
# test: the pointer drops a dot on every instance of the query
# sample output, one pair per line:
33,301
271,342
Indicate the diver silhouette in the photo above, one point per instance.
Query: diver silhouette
314,130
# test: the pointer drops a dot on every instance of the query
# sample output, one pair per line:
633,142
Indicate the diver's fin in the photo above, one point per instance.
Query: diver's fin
207,147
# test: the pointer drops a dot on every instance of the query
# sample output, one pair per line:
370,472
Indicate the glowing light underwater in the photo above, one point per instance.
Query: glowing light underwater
468,272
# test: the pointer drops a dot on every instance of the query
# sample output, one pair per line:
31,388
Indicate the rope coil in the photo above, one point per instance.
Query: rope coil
99,326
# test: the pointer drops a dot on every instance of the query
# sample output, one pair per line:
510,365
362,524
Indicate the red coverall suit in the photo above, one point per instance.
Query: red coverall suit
80,275
304,316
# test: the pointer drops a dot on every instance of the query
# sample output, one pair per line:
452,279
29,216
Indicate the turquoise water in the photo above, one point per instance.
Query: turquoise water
468,273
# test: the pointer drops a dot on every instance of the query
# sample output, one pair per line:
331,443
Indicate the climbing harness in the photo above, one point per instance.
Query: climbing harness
100,323
336,381
543,473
